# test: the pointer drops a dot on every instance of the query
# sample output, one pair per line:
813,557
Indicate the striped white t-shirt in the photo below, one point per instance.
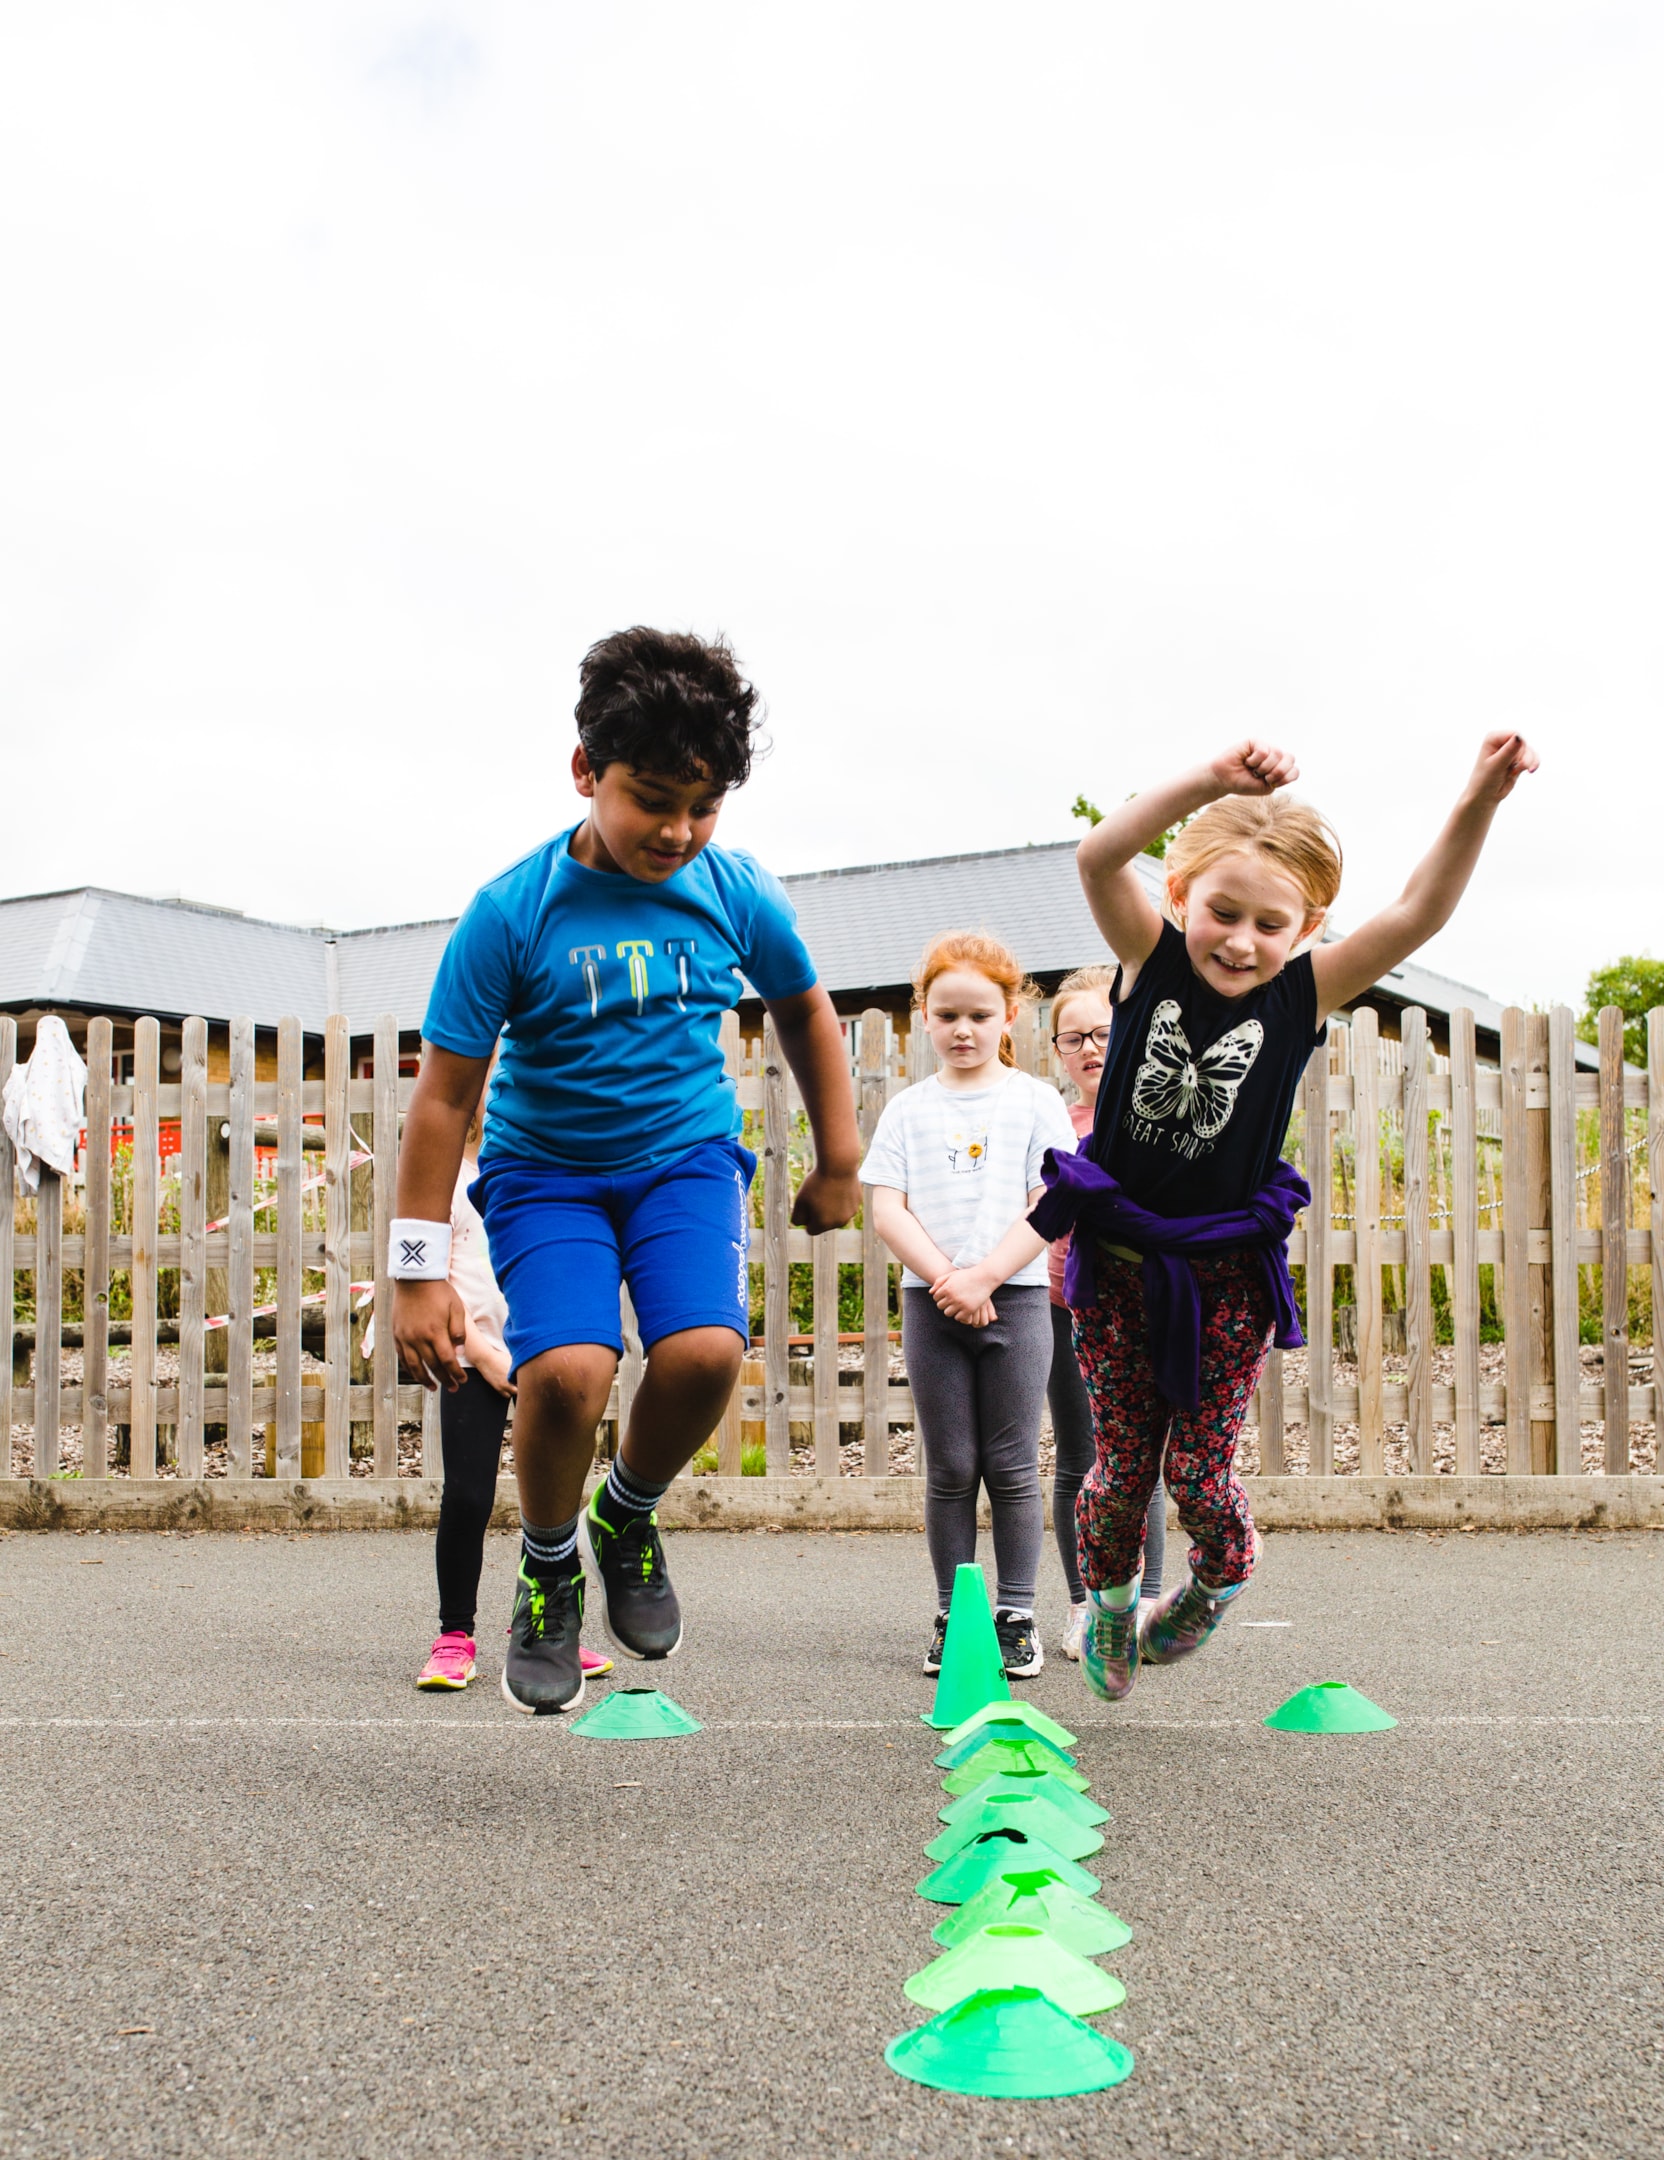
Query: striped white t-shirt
967,1159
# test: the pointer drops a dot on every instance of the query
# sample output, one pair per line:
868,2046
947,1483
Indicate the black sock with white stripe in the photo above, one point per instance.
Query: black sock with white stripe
549,1554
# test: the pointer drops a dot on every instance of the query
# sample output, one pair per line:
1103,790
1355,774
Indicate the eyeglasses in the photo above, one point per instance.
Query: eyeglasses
1076,1040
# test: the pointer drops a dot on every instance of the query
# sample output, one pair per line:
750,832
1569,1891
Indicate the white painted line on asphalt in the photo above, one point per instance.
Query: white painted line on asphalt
497,1726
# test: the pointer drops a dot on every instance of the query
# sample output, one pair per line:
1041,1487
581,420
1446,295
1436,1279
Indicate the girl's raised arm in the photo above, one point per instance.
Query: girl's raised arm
1114,891
1346,969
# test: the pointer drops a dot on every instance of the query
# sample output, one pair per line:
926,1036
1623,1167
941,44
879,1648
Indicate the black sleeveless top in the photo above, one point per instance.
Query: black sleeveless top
1197,1089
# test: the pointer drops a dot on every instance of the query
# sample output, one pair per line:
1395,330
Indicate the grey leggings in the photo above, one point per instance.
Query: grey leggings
1076,1449
978,1392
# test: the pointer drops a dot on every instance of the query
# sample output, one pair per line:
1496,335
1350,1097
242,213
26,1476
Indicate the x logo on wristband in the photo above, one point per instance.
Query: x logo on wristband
413,1252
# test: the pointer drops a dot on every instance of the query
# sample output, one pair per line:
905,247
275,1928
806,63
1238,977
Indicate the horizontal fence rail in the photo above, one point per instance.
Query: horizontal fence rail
1481,1270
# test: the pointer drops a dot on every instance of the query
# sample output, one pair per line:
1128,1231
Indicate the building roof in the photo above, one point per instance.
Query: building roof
118,953
100,951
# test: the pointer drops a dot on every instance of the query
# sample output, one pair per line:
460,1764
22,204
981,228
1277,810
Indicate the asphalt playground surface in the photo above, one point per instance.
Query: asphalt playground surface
259,1896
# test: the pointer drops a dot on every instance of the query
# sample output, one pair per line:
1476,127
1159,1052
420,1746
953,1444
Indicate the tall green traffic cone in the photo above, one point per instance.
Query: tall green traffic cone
973,1672
1012,2044
960,1878
1011,1758
1067,1799
631,1713
1007,1731
1008,1954
1031,1813
1036,1898
1330,1707
1006,1713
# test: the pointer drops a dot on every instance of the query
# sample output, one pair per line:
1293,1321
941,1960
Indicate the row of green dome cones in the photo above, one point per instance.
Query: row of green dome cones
1016,1980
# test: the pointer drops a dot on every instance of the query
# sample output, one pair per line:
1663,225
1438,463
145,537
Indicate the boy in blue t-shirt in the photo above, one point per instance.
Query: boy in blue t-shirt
604,961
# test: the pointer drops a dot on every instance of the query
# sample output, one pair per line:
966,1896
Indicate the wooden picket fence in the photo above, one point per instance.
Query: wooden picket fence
1532,1172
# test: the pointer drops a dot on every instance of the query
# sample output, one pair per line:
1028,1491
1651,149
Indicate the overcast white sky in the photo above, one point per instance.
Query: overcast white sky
1039,398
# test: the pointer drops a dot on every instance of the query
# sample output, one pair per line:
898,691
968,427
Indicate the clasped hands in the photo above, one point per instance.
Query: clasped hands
965,1294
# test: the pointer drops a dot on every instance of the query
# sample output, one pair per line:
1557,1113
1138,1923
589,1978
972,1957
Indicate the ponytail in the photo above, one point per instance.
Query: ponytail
1008,1051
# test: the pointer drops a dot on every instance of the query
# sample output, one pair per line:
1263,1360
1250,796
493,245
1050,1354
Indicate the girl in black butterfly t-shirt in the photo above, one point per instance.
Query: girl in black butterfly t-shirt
1183,1206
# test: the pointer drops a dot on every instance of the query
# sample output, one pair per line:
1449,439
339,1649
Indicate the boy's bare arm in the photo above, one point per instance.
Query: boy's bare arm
1345,969
428,1319
813,1046
1114,891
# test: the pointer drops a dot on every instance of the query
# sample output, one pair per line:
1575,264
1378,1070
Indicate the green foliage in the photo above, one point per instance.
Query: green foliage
753,1460
1635,984
1081,808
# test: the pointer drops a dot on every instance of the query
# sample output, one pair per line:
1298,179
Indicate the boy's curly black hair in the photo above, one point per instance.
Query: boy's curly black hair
665,702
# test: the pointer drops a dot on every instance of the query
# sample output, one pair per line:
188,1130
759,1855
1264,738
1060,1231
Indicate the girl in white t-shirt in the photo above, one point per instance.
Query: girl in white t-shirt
951,1174
472,1420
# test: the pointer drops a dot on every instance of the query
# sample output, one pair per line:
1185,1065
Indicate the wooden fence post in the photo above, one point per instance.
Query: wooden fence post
875,1266
1464,1184
1516,1242
826,1300
193,1240
141,1415
1366,1211
337,1248
361,1217
1418,1245
286,1450
49,1321
1539,1218
730,1435
1320,1285
239,1384
1656,1227
384,1370
8,1248
777,1215
1614,1240
1562,1126
95,1274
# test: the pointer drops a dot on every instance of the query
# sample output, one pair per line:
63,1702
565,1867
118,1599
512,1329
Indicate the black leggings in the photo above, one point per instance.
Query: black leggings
471,1426
1071,1408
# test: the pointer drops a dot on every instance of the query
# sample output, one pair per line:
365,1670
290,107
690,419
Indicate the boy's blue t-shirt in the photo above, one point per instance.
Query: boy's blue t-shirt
608,993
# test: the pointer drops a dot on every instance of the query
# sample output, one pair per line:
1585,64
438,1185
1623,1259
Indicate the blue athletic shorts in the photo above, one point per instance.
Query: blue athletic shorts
563,1240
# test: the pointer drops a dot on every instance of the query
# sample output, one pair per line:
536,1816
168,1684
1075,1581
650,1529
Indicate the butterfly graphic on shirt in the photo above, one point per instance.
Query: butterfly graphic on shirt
1174,1084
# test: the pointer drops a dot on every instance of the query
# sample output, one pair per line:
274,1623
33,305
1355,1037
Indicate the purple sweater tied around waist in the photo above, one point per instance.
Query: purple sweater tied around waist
1082,1197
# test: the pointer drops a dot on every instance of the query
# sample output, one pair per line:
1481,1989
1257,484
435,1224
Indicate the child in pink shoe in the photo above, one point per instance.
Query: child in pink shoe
471,1426
1180,1205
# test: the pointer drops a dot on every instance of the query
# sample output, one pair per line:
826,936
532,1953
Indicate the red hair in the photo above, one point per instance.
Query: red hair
978,954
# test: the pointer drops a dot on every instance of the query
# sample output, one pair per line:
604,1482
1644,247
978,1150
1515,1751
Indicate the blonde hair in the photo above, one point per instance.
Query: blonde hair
1078,983
983,955
1291,834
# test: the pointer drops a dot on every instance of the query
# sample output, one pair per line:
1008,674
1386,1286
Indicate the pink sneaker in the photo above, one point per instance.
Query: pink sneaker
450,1662
591,1665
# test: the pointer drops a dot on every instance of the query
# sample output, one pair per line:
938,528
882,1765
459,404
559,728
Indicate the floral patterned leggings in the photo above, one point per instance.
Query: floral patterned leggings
1132,1422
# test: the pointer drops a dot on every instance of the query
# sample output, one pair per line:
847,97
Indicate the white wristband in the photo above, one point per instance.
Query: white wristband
419,1251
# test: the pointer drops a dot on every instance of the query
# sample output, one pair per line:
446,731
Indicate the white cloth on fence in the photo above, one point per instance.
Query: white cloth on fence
45,1104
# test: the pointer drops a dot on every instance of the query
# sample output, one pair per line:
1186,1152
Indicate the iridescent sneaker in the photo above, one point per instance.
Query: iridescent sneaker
1109,1647
450,1662
1183,1619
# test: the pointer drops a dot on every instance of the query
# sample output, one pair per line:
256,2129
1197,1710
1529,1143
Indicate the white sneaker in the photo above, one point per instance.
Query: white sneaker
1075,1633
